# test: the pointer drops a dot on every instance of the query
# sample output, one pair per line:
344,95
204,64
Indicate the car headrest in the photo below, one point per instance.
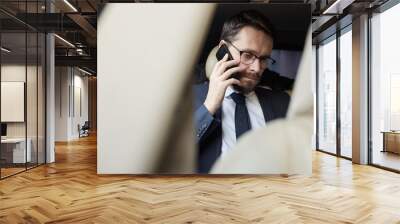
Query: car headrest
211,61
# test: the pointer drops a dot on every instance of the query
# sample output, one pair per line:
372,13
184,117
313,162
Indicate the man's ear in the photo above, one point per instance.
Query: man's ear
221,42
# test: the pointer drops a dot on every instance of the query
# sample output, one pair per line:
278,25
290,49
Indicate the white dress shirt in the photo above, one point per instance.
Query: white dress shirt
228,117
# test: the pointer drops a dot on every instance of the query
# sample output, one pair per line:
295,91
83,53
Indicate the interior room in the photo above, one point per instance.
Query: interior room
335,83
22,105
54,122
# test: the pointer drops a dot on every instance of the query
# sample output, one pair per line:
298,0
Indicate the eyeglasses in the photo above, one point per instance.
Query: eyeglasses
248,58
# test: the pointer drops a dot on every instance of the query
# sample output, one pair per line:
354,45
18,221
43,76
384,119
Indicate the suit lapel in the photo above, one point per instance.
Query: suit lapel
218,117
265,104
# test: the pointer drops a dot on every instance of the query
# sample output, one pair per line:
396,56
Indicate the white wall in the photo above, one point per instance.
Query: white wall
69,82
33,126
79,117
12,101
15,73
12,73
62,80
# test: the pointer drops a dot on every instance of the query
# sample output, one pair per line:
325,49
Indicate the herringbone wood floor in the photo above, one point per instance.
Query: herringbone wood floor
69,191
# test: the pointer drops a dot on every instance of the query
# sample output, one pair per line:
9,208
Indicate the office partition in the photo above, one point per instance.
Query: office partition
22,77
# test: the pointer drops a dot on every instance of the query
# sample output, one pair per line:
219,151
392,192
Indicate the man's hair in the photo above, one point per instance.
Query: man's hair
252,18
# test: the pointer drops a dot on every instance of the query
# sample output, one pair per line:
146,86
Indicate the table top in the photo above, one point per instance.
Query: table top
13,140
391,132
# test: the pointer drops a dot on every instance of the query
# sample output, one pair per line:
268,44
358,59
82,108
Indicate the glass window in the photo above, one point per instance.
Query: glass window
22,92
314,85
41,98
327,96
15,151
385,89
31,101
346,94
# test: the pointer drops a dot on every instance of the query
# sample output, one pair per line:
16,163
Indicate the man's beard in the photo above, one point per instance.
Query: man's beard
238,88
243,89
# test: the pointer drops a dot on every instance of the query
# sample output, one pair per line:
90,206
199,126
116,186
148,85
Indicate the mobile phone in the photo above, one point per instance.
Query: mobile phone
222,51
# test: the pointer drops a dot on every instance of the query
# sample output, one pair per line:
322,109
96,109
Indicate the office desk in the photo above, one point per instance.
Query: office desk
391,141
13,150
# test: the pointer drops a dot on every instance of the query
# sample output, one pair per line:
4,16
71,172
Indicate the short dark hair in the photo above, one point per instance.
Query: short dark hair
252,18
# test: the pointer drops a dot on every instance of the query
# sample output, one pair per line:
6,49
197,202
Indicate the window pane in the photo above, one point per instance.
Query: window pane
15,150
386,89
41,98
327,97
31,100
345,94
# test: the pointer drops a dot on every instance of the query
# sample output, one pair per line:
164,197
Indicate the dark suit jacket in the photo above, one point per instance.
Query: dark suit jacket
274,104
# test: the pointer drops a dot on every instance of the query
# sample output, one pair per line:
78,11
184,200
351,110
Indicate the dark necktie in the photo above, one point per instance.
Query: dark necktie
242,118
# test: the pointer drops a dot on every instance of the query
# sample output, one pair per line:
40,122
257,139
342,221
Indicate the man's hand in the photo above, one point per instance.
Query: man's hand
220,79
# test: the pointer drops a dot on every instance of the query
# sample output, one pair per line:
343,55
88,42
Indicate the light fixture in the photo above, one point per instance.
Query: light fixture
337,7
70,5
64,40
84,71
5,50
80,51
329,9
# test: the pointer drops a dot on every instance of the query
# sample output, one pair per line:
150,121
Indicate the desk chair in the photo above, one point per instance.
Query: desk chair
84,130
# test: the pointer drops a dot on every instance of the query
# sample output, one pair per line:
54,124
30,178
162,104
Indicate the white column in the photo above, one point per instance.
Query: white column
360,90
50,92
50,100
63,102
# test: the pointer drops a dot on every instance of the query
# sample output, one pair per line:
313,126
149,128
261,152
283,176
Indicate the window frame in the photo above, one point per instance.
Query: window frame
378,10
334,37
